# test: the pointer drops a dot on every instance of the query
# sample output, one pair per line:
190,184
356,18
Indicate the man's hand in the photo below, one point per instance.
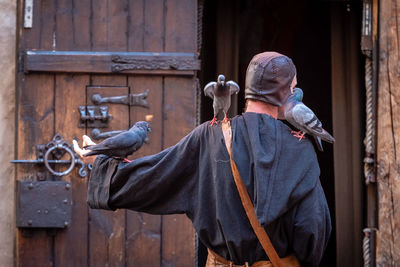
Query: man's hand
81,151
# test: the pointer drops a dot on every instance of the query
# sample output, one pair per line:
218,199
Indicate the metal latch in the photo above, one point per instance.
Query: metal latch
56,149
48,204
94,116
131,99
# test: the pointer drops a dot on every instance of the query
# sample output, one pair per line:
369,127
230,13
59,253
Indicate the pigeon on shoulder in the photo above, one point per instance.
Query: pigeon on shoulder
304,119
122,144
221,92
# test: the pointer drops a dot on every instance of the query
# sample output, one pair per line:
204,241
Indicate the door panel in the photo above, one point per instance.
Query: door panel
32,109
143,231
50,91
68,96
107,228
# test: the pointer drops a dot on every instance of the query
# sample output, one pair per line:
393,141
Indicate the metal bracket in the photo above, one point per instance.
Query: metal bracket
94,116
57,148
131,99
28,14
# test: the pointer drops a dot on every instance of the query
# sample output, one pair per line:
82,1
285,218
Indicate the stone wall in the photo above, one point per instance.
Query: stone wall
7,130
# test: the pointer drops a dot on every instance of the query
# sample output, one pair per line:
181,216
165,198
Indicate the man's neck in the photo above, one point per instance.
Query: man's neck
262,107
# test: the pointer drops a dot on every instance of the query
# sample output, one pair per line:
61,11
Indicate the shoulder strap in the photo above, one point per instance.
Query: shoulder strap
248,204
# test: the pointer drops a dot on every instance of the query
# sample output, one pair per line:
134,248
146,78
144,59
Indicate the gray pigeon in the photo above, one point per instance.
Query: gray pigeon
221,92
304,119
123,144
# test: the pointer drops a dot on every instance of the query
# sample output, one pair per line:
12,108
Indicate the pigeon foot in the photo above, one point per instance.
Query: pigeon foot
127,160
298,134
214,121
225,120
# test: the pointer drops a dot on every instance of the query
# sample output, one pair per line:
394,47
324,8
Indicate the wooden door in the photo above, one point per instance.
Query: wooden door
73,50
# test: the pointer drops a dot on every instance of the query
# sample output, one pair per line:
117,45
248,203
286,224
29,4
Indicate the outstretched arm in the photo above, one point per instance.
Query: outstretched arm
159,184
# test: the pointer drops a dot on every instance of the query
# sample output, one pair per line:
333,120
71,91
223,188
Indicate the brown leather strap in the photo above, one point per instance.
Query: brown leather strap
248,204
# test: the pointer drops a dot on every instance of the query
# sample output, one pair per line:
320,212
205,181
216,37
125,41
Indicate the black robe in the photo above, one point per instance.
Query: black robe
194,177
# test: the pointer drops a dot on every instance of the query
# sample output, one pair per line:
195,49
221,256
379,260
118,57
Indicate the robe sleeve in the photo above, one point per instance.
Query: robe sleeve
312,227
163,183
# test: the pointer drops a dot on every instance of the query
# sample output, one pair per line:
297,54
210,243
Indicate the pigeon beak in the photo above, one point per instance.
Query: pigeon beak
147,140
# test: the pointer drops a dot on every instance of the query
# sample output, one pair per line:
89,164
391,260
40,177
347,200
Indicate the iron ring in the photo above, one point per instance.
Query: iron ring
46,160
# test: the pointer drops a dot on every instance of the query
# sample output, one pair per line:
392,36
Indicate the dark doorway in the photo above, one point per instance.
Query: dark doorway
234,31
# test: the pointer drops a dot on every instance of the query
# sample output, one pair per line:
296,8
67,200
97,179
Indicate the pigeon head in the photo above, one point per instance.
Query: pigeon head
143,125
221,79
298,94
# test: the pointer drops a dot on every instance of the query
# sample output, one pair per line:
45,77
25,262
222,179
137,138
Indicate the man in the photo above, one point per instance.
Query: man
194,177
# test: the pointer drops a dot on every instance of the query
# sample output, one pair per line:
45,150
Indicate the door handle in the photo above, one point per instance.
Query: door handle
56,147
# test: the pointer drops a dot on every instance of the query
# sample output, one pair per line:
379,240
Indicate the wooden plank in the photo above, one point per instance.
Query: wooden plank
180,26
178,242
72,33
388,142
109,25
35,126
111,62
144,230
107,228
72,25
108,30
179,115
117,25
40,36
69,94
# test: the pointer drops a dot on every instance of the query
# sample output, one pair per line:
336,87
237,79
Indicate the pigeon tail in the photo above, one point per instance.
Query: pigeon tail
327,137
318,143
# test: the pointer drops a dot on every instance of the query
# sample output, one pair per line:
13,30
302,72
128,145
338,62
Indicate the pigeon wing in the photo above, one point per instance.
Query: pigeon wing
233,87
121,141
309,123
209,89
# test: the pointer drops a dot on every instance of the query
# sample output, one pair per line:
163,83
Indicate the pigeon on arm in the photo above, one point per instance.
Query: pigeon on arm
304,119
221,92
123,144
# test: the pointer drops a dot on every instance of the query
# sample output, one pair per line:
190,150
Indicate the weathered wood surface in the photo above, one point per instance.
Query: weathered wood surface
111,62
143,231
35,104
107,228
57,79
388,137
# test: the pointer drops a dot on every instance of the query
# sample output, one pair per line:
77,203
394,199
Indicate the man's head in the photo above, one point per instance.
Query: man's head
269,78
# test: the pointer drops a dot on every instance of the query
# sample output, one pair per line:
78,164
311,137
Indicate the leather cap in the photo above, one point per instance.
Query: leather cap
268,78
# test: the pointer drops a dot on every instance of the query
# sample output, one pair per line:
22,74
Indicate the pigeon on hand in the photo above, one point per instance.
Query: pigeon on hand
304,119
123,144
221,92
